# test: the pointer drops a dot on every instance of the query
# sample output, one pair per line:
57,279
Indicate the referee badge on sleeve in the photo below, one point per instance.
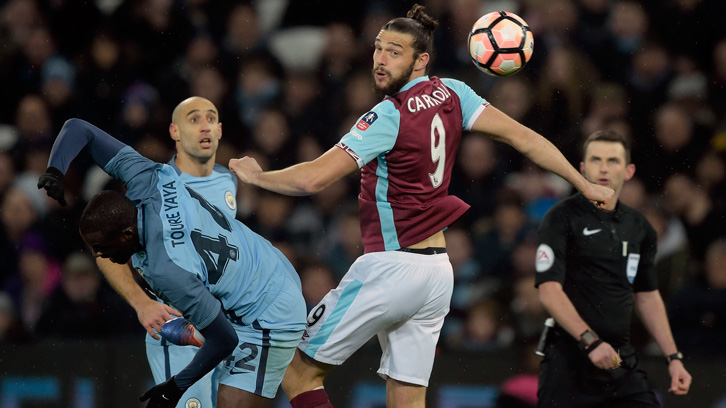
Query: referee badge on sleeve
632,268
545,258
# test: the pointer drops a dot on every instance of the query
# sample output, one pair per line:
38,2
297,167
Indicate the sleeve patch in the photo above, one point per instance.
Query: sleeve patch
545,258
633,261
367,120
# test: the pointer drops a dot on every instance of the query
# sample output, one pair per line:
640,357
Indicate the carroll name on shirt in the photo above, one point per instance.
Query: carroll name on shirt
419,102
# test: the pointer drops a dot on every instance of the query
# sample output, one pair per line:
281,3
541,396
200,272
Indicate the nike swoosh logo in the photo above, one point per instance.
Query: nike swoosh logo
587,232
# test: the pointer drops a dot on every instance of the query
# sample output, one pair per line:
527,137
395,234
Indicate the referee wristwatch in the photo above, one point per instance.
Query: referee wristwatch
675,356
589,341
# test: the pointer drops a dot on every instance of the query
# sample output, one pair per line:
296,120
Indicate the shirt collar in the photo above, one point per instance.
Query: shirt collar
172,163
413,83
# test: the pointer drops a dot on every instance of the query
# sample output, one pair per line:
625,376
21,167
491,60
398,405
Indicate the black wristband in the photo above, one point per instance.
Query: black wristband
593,346
675,356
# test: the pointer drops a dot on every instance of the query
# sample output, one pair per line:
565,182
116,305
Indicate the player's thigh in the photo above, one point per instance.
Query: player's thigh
231,397
410,346
258,363
166,360
381,291
372,296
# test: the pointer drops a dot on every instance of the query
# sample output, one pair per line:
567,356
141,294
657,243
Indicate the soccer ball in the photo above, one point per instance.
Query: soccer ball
500,43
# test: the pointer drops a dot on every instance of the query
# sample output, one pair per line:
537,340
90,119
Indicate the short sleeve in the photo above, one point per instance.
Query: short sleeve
551,255
472,104
374,133
646,279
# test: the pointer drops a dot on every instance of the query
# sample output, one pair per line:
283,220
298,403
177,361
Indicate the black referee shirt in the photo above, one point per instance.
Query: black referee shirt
600,258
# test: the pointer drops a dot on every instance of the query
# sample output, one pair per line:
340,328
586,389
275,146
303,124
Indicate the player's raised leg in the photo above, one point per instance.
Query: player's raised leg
400,394
303,382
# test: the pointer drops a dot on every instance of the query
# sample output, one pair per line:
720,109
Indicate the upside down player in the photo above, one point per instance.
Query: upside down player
196,130
230,283
594,265
400,289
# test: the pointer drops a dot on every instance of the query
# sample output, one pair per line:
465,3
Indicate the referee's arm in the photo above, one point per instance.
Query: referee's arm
653,315
560,307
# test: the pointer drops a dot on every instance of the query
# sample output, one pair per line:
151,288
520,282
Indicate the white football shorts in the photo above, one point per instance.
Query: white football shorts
400,297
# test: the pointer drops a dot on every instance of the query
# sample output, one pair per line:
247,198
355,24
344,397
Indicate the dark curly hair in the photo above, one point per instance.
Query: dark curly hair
108,213
420,26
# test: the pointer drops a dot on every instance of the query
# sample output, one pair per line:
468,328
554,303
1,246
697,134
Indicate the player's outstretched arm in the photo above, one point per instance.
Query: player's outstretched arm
298,180
73,137
152,314
500,127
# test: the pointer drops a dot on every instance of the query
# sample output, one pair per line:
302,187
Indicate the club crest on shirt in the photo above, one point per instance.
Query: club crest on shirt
230,199
193,403
545,258
367,120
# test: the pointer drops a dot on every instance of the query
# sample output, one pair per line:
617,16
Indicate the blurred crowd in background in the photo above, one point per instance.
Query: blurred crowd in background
291,77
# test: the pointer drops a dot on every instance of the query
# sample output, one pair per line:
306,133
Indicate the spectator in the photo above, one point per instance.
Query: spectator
526,310
83,306
11,328
470,286
20,222
509,226
672,258
38,276
317,279
703,222
346,244
484,328
477,177
698,311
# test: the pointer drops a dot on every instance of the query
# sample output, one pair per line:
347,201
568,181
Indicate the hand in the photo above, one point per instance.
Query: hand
605,357
680,378
152,315
164,395
601,196
181,332
52,182
245,168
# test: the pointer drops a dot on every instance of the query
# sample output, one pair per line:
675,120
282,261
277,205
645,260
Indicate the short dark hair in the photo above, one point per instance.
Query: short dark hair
108,213
420,26
609,136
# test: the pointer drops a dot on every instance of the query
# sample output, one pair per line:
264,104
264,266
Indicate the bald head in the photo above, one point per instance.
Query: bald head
186,106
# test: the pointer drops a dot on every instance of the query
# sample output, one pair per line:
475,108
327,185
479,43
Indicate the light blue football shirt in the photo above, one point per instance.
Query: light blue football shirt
219,188
190,245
